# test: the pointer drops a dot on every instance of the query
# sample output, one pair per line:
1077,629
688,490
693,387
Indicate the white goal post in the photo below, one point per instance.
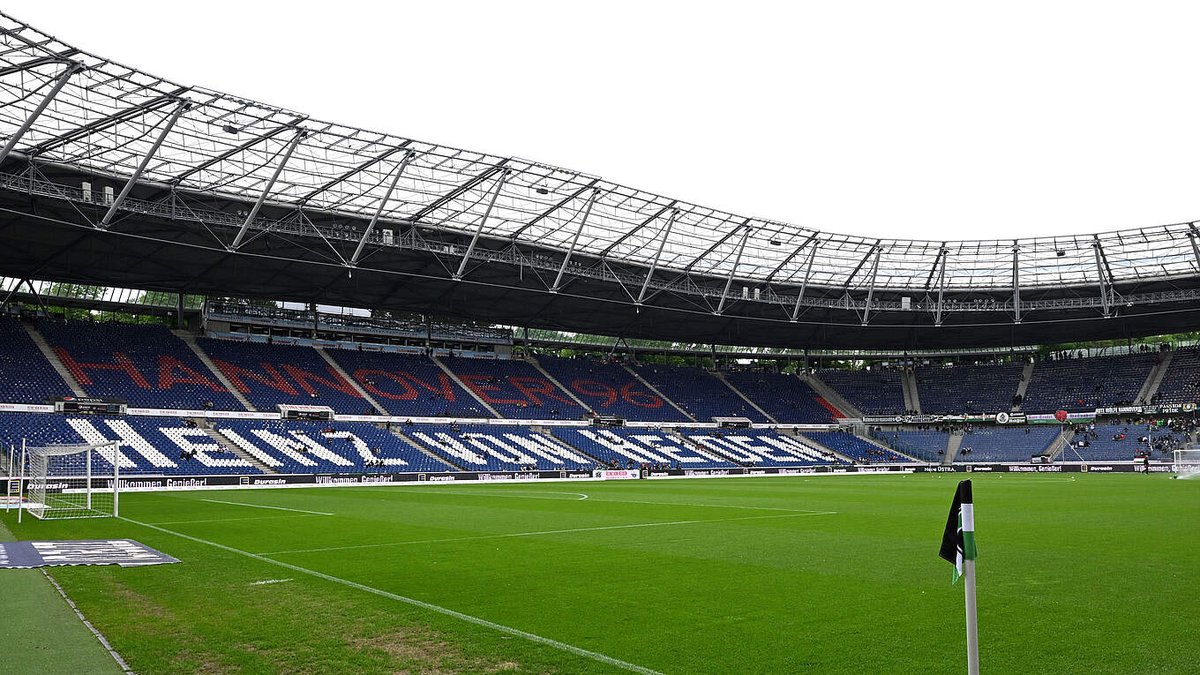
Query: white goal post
70,481
1186,462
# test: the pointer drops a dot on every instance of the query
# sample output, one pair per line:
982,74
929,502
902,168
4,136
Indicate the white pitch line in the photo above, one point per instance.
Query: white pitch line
714,506
541,533
263,506
578,651
228,520
519,495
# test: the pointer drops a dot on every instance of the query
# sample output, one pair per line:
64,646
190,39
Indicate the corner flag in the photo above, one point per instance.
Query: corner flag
958,547
958,541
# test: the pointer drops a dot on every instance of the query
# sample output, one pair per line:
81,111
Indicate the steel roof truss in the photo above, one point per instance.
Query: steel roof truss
661,245
63,77
462,266
237,241
137,173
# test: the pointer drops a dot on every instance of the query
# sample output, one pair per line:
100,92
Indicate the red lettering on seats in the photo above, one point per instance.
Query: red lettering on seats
171,372
121,363
304,377
272,379
479,384
364,375
532,386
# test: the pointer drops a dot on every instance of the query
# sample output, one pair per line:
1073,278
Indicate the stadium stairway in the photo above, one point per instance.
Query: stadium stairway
658,393
829,394
1060,445
190,341
48,352
350,380
821,446
545,373
1026,376
1155,378
952,446
561,443
908,385
721,376
426,451
236,449
457,380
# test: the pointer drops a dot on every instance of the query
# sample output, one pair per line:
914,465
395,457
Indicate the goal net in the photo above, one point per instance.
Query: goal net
1186,462
71,481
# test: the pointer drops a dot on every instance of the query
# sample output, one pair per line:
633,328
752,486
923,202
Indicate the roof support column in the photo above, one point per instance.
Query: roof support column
1104,284
937,317
871,287
379,211
654,265
1016,282
587,211
733,270
237,241
70,70
812,256
1195,247
462,267
137,173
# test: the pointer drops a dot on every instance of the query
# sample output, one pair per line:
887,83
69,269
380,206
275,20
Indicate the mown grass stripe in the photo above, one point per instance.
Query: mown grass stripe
578,651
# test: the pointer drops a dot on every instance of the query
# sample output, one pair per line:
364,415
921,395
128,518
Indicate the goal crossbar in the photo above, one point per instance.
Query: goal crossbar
70,480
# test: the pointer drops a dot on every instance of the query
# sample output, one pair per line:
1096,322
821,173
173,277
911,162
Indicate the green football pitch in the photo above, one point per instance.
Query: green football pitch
1081,574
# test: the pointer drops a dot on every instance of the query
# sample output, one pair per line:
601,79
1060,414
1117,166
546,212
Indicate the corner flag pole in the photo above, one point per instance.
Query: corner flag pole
958,547
968,528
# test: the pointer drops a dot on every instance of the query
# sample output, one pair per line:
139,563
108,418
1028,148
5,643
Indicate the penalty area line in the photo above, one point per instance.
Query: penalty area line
263,506
578,651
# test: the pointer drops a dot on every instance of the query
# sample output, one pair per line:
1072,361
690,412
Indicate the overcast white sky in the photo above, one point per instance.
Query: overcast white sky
939,120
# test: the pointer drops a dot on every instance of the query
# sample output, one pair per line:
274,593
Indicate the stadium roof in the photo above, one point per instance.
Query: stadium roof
67,111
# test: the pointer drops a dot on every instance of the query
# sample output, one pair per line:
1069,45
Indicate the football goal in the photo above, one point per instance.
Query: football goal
1186,462
70,481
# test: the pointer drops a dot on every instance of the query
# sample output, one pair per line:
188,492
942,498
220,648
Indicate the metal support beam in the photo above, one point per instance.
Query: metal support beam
644,223
1195,246
60,57
103,123
353,172
1016,282
812,257
732,271
936,264
408,155
850,278
137,173
237,241
871,290
70,70
544,214
812,237
654,265
462,266
729,235
937,317
234,151
1103,275
461,189
587,211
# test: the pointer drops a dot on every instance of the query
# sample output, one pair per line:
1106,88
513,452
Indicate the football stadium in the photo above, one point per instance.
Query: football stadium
279,394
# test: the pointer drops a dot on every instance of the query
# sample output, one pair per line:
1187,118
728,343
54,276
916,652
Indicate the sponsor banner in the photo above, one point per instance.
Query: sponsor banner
26,407
123,552
209,414
1077,467
1161,409
616,474
1010,418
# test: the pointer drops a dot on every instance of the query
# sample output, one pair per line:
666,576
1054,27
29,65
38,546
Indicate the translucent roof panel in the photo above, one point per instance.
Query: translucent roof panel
101,116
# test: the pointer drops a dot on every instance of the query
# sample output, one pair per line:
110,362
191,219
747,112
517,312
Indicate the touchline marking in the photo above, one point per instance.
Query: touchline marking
543,533
268,582
578,651
262,506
